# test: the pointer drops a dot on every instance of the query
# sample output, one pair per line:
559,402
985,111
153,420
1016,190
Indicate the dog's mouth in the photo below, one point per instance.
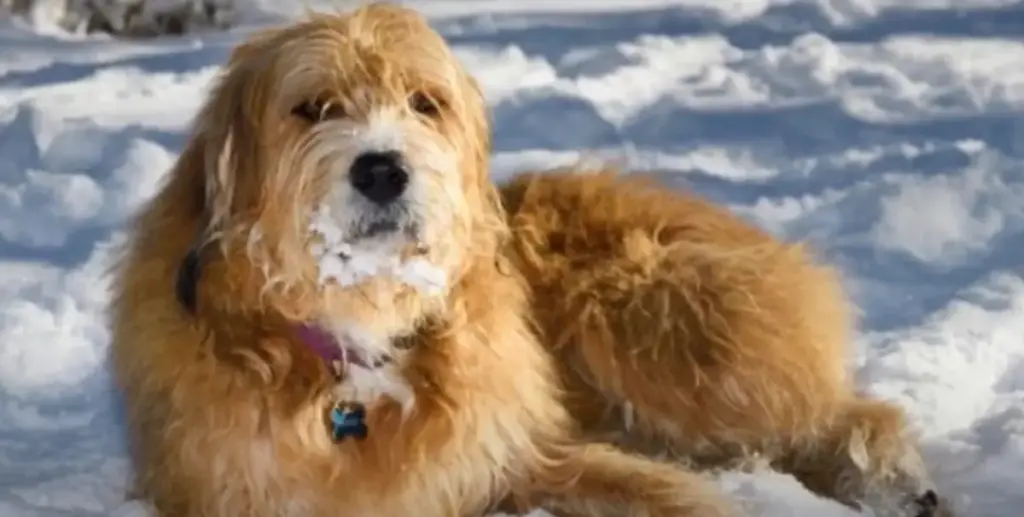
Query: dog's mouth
388,223
383,229
376,228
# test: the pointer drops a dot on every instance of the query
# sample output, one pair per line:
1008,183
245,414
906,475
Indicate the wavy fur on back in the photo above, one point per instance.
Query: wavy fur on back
682,329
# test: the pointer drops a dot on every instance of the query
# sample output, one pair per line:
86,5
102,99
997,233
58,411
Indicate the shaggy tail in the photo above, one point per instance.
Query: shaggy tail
598,480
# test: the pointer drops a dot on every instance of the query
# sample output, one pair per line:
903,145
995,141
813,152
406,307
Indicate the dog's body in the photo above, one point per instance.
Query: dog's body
251,303
683,329
324,143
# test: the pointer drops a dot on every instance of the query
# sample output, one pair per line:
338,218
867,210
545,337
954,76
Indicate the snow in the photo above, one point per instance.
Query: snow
347,264
885,132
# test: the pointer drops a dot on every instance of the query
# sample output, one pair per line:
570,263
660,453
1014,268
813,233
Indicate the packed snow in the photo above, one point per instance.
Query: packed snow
886,132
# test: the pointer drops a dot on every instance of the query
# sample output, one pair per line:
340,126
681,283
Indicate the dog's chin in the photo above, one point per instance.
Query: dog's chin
391,230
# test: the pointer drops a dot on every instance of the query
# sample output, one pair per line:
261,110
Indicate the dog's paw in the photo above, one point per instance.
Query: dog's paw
930,504
927,503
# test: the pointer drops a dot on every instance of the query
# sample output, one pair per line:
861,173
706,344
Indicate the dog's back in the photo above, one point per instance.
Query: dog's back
682,328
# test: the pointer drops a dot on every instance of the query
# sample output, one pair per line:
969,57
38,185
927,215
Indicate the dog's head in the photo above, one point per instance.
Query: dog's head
335,141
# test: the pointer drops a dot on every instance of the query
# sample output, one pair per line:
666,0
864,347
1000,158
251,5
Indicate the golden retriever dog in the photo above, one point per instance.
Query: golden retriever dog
313,317
683,330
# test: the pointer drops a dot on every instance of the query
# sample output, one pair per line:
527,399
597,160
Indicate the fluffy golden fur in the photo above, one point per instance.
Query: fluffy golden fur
226,404
682,329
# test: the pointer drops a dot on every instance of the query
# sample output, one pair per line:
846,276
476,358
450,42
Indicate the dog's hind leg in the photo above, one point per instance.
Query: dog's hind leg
865,456
598,480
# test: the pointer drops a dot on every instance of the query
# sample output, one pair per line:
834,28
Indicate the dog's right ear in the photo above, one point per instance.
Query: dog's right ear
223,119
228,129
213,199
227,147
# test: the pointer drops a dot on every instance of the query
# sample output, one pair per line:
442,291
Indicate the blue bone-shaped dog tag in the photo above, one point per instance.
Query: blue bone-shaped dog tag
348,420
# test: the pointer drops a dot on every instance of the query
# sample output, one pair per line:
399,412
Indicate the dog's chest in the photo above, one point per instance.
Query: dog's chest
366,386
437,459
423,469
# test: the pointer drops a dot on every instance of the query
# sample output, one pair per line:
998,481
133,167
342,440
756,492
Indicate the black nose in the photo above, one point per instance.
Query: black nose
380,176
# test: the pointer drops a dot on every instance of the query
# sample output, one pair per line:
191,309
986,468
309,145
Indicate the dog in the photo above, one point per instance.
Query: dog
684,331
313,317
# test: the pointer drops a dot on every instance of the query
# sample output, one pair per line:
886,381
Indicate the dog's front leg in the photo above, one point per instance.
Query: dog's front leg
598,480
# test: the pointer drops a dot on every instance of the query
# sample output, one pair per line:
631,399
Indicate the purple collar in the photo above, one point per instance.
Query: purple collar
327,346
321,342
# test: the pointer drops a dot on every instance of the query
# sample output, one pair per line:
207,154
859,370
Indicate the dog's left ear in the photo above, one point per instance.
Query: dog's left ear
479,123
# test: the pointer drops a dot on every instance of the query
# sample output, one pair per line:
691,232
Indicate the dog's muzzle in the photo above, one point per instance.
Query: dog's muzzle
382,179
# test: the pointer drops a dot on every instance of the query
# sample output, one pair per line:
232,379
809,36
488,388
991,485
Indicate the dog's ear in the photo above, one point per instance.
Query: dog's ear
479,123
228,129
492,213
226,145
224,127
477,126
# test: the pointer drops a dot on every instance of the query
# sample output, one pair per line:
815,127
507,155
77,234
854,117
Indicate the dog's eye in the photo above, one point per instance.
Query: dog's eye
423,104
318,110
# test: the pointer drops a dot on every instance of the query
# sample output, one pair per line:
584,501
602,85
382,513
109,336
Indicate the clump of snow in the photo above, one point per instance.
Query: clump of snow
348,265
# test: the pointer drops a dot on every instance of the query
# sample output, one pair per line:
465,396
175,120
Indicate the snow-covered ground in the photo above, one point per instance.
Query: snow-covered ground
888,132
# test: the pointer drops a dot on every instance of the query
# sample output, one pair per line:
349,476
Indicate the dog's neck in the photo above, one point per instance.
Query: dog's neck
333,349
330,347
